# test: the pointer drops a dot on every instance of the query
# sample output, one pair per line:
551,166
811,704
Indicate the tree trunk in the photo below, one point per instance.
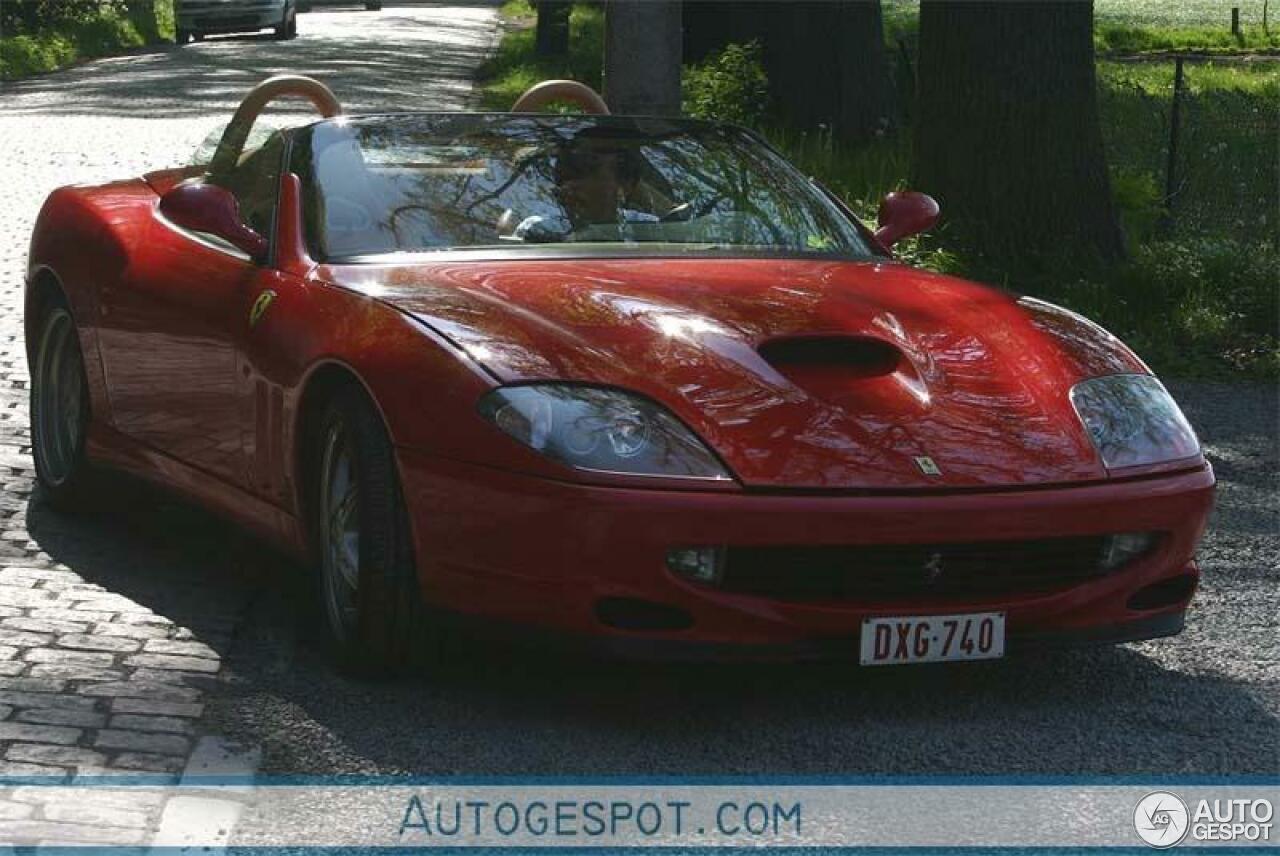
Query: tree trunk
552,35
642,57
1007,135
866,106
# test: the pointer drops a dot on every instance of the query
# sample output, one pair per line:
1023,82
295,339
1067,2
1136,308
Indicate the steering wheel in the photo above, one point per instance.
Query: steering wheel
282,85
686,211
548,91
401,210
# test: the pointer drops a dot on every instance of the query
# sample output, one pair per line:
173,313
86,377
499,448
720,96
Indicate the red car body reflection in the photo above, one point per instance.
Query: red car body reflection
826,453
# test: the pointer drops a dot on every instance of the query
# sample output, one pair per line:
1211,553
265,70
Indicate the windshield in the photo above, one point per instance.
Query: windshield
420,183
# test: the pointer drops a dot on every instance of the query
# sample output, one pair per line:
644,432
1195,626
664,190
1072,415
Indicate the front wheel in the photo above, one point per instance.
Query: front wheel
287,28
60,411
369,594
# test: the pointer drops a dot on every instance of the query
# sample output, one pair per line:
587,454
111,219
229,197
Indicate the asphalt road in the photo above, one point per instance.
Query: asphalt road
1205,702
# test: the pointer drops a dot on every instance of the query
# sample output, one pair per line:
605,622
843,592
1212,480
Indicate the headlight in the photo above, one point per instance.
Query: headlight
607,430
1133,421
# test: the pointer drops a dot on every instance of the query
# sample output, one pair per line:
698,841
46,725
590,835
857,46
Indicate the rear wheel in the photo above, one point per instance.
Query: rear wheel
60,411
373,6
369,594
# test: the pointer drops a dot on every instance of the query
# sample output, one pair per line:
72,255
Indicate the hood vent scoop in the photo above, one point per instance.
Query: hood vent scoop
848,371
849,357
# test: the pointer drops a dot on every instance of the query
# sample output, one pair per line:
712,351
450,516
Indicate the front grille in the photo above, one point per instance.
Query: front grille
906,571
240,8
215,23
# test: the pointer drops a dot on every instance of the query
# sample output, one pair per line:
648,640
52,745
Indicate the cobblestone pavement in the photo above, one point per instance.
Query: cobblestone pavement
113,625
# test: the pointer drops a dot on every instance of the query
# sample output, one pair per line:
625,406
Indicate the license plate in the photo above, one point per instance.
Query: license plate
932,638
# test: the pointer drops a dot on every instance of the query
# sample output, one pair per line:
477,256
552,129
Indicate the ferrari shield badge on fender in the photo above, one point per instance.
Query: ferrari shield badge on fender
260,305
927,466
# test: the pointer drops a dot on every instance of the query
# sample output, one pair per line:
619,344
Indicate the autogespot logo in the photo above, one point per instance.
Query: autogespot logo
1161,819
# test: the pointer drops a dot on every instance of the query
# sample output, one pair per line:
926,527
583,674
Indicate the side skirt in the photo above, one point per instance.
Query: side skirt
110,449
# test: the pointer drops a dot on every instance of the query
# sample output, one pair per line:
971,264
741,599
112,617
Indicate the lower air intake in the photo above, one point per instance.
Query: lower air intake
872,573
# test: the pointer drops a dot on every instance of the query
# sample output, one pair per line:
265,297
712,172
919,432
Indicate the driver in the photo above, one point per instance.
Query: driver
589,185
594,183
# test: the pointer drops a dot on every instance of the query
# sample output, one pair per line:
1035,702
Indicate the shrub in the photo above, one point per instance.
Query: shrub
1139,201
1201,306
23,55
728,86
73,30
105,33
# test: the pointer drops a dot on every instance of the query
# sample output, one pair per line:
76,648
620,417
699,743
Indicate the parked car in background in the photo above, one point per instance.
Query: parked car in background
199,18
308,5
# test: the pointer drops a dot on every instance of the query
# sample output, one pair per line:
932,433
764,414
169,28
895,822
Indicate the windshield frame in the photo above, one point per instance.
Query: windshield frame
299,140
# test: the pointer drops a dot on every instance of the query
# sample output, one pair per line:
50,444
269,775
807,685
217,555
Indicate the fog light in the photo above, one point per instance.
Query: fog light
700,564
1120,549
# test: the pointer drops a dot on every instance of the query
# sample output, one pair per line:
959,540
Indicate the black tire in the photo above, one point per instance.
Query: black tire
59,407
381,625
374,6
197,36
181,37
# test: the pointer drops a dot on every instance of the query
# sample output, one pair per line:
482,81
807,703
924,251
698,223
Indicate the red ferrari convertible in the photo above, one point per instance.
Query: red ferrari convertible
635,379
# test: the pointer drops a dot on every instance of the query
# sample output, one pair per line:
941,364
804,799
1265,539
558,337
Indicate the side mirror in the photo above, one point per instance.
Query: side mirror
904,214
213,210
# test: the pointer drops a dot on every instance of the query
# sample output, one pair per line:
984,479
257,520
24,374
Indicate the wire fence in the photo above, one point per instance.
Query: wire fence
1209,156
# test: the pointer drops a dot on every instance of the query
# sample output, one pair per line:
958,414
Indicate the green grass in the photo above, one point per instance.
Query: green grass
1109,38
1182,14
1130,26
1206,307
1259,77
1138,26
516,66
101,34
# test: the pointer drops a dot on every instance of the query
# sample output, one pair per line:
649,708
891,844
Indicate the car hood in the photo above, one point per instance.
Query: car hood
800,374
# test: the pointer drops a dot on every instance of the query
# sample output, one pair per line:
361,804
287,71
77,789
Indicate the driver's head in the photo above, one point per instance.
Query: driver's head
588,177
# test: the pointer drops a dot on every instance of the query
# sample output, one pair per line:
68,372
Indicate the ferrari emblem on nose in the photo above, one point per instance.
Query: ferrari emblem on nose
927,466
259,307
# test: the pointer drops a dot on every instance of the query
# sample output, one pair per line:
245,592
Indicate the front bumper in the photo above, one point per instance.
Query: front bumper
512,548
